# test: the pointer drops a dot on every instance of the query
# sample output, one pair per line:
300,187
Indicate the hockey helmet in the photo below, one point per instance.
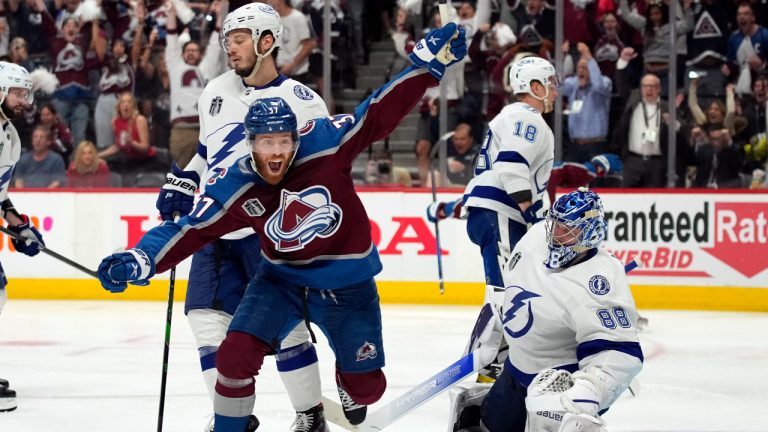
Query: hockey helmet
529,69
256,17
14,76
575,224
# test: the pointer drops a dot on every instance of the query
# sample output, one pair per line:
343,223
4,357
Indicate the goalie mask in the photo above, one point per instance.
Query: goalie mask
272,137
15,90
258,18
575,224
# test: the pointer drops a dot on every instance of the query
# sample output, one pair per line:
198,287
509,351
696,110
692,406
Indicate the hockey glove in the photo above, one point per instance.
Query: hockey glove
33,239
442,210
178,193
429,52
605,163
132,266
545,408
529,214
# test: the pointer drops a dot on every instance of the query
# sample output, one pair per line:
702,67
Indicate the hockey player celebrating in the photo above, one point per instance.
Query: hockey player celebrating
571,324
15,98
251,36
319,260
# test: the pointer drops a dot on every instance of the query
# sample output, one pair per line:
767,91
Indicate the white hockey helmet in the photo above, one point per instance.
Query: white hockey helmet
14,76
529,69
256,17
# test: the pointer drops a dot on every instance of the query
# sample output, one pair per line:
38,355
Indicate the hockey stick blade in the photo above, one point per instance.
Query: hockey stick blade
409,401
58,256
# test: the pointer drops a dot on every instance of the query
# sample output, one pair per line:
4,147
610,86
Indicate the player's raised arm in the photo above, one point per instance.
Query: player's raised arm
168,244
379,115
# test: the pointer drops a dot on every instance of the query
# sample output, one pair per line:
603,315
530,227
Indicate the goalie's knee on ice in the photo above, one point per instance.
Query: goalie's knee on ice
238,359
364,388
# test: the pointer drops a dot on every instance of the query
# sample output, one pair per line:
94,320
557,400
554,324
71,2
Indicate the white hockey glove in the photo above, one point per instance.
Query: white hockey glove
548,413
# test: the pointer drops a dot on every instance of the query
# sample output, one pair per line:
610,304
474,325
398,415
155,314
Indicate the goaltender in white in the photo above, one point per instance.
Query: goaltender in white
571,324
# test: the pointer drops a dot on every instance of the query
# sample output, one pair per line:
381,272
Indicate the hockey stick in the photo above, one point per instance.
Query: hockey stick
47,251
425,391
167,346
439,253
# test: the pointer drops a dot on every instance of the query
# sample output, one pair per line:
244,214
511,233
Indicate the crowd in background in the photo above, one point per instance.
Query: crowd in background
126,70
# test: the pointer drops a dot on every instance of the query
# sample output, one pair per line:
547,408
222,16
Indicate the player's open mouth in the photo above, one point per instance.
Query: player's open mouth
275,166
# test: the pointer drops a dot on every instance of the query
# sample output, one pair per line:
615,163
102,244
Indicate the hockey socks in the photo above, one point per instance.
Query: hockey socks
238,360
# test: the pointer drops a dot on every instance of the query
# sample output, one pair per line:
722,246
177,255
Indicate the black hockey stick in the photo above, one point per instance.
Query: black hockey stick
437,230
167,345
47,251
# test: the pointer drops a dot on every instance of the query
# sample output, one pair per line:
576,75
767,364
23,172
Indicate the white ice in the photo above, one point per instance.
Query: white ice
86,366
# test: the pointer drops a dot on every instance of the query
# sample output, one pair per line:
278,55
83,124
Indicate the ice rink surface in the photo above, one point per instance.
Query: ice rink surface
86,366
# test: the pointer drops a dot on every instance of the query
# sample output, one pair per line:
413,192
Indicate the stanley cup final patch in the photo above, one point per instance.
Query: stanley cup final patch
367,351
253,207
215,107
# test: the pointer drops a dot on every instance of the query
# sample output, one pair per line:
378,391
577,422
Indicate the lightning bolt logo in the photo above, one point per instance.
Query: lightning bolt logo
228,144
5,177
518,302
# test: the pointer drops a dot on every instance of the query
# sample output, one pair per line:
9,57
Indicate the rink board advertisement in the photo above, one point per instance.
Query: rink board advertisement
700,250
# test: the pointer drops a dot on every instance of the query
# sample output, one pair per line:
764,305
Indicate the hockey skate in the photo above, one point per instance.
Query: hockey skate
311,420
354,412
253,424
7,397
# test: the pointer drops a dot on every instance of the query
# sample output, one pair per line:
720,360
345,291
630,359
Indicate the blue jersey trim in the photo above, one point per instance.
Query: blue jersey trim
511,156
326,274
202,150
526,378
586,349
492,193
208,361
274,83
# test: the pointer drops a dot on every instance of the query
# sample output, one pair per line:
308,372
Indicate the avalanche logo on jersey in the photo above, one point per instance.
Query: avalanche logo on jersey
302,217
518,319
367,351
599,285
218,173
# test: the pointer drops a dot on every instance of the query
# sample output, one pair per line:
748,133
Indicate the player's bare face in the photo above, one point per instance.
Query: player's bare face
239,46
16,102
272,154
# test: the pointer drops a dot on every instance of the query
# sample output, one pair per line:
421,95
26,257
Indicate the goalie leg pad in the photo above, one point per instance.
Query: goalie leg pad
466,400
503,409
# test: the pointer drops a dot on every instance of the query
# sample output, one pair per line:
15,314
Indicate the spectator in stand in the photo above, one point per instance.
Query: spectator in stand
40,168
718,161
26,22
131,147
189,71
535,23
61,136
580,23
87,170
753,138
4,36
641,135
116,77
18,54
297,43
68,49
65,9
719,115
460,157
486,52
589,103
381,171
609,45
655,28
707,46
356,9
747,48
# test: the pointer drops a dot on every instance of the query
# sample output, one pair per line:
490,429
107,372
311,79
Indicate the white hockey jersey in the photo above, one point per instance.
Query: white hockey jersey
10,151
187,81
517,154
223,106
569,318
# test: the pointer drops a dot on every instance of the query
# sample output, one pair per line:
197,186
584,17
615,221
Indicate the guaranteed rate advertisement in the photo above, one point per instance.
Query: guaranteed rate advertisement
692,245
